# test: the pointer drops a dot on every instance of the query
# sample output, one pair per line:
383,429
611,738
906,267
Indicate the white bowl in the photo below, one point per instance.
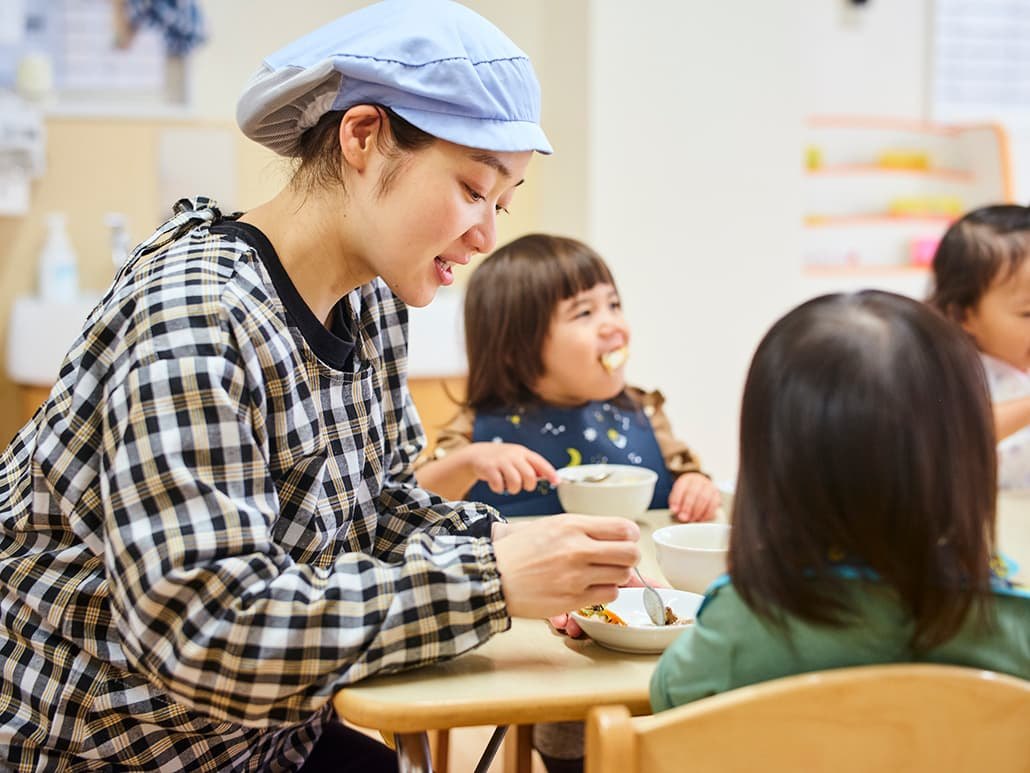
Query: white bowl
627,491
691,555
640,635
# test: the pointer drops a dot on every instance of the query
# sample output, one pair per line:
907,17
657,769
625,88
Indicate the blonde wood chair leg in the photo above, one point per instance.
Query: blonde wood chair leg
440,749
518,749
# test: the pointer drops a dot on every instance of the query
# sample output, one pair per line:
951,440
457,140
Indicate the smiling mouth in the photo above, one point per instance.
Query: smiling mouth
444,270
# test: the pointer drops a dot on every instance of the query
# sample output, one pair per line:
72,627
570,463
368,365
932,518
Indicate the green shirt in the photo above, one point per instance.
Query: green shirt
730,646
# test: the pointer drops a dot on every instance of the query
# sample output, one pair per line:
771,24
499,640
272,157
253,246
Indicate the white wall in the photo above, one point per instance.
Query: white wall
695,122
871,59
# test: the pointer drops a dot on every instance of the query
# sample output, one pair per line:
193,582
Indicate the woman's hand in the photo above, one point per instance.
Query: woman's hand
694,498
565,562
509,467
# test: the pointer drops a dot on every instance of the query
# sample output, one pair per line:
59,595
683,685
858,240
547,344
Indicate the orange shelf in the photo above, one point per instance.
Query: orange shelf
823,221
865,270
844,170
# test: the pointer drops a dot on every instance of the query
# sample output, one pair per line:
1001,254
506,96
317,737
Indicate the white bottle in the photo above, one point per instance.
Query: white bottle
58,267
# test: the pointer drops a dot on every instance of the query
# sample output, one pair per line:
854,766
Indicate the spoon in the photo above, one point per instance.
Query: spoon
596,477
652,601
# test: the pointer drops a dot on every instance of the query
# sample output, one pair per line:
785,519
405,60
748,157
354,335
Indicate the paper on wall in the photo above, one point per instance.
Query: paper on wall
12,22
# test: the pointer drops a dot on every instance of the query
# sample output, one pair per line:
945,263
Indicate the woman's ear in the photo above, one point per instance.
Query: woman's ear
360,130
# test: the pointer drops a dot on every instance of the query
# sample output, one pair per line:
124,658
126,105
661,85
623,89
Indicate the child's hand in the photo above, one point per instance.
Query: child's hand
694,498
510,467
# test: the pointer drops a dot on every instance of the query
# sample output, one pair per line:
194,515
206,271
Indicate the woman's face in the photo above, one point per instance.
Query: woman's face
583,329
1000,323
438,210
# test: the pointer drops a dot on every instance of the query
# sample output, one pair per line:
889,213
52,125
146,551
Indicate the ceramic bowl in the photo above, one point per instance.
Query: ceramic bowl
691,555
640,635
626,491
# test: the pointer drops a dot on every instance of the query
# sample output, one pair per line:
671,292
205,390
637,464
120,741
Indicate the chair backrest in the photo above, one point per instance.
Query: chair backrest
897,718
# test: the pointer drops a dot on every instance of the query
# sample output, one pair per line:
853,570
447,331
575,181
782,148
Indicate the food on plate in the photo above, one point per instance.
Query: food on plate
614,359
671,619
602,612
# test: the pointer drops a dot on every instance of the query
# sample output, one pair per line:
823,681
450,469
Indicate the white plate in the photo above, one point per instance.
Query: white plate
640,635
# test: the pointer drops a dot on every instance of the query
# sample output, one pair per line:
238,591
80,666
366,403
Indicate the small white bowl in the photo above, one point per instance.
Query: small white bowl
626,492
640,635
691,555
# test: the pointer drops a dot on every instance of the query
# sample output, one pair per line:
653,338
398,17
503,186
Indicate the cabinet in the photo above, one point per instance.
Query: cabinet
878,193
437,400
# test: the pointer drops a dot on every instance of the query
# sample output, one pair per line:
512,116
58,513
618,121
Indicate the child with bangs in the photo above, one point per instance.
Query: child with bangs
547,341
863,531
982,281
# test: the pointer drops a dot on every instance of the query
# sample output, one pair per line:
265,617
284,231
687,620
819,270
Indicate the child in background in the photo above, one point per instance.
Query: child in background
982,281
862,529
546,342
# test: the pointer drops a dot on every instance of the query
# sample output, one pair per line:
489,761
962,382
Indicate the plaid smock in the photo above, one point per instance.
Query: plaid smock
205,531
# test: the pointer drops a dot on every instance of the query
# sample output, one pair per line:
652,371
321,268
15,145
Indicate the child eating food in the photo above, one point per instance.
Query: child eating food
547,344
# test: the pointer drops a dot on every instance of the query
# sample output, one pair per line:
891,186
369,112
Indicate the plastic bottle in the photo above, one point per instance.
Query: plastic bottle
58,267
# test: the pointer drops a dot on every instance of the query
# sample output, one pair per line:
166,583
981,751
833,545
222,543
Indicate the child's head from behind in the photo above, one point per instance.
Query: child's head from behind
982,280
865,439
540,313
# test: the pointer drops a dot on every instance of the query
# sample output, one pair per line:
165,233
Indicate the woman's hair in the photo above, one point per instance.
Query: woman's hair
865,439
509,304
318,163
985,244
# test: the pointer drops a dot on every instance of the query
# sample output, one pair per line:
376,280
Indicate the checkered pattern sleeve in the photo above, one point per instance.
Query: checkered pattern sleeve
405,506
210,605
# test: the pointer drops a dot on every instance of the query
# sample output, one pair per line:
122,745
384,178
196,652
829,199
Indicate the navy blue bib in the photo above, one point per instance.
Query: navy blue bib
595,433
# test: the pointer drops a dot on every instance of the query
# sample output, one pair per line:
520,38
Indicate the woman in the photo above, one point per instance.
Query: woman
211,524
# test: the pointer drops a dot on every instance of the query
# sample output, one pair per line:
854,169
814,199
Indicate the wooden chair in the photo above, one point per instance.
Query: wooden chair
903,717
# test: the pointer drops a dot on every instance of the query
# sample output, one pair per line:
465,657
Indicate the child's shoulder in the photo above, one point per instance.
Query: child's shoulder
1005,381
720,593
650,401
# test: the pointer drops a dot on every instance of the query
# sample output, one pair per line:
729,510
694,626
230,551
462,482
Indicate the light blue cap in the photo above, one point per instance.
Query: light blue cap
437,64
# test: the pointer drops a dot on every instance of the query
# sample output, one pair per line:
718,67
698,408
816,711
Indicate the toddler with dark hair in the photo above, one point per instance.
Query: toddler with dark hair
982,281
863,519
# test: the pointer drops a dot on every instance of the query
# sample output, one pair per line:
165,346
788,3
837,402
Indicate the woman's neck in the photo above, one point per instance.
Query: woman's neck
308,232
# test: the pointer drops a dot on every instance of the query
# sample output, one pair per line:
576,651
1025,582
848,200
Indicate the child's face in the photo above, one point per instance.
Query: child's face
583,329
1000,323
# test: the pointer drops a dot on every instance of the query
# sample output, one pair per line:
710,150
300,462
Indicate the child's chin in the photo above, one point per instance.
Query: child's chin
615,387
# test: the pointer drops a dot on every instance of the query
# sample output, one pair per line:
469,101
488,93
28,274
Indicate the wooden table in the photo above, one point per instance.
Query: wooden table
531,674
526,675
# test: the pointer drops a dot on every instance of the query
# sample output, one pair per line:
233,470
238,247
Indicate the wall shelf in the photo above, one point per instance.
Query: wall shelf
879,193
874,219
870,270
953,175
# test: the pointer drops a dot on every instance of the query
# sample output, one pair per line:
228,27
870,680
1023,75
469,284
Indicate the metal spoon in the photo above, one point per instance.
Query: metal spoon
652,601
596,477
